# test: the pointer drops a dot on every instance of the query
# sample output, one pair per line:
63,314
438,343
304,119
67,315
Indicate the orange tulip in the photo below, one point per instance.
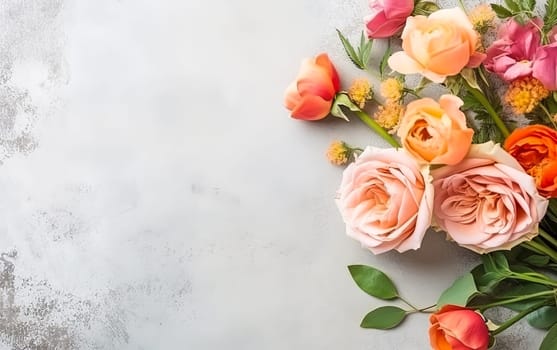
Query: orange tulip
458,328
311,95
535,148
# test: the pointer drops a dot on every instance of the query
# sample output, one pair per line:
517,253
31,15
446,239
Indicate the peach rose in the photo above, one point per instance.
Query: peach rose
311,96
535,148
437,46
458,328
435,133
487,202
385,199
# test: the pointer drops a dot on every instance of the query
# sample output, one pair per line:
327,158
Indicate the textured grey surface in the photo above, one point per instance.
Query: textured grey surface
155,194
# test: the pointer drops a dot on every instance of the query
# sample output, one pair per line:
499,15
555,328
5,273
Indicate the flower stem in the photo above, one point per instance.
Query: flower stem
494,116
548,237
519,316
482,308
407,303
540,248
377,128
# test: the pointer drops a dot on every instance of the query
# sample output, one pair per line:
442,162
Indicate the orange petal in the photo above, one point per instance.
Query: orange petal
324,62
312,108
291,96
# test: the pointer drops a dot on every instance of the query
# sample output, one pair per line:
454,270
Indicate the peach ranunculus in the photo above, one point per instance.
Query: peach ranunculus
435,132
487,202
535,148
458,328
386,200
311,96
387,17
437,46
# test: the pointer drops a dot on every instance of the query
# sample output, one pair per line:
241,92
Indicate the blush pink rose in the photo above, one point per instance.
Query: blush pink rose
437,46
435,132
387,17
385,199
487,202
512,55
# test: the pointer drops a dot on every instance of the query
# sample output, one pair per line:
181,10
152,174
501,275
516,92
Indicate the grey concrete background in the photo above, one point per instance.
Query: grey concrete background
156,195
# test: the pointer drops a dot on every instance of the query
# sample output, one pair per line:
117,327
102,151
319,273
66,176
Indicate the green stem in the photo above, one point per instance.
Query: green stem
549,116
494,116
482,308
540,248
534,279
407,303
461,3
518,316
377,128
548,237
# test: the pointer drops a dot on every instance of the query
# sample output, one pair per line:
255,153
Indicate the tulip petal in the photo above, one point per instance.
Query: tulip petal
311,108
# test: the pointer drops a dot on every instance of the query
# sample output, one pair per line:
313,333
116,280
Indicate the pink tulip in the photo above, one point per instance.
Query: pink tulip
387,17
511,56
545,66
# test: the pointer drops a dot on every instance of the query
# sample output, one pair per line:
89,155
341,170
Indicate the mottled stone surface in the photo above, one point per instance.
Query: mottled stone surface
156,195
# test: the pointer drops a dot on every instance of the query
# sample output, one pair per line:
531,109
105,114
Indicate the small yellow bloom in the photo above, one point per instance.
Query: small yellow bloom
482,17
389,114
391,89
524,94
339,153
360,91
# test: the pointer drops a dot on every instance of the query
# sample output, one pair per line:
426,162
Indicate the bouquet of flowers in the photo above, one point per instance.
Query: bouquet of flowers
478,163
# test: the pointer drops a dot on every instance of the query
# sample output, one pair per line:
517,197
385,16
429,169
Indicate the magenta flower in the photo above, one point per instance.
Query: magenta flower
545,66
387,17
511,56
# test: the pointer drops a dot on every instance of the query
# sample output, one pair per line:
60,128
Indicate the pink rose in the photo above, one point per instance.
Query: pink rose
512,55
437,46
487,202
385,199
387,17
545,66
435,132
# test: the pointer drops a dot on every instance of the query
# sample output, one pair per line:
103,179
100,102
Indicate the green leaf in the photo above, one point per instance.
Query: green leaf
460,292
543,318
385,60
501,11
537,260
550,340
513,6
364,50
342,100
425,8
470,76
350,51
373,282
385,317
531,4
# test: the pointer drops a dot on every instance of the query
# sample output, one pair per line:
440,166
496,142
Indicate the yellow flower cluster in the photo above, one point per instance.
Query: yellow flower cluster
391,89
482,17
389,114
524,94
338,153
360,92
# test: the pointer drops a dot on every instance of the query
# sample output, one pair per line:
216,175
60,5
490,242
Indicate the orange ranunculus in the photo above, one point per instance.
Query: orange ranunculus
535,148
311,95
435,132
458,328
437,46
